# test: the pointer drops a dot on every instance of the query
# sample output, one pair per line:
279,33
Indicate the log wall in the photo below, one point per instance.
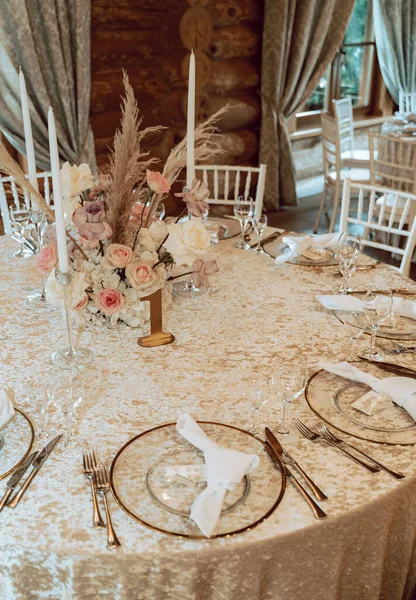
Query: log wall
152,39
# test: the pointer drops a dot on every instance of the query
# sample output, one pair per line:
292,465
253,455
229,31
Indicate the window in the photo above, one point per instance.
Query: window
351,73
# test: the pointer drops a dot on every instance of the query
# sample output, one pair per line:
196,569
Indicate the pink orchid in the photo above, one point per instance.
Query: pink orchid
195,199
201,271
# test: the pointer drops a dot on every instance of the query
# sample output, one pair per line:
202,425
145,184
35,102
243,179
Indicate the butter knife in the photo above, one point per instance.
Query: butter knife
316,509
391,367
288,459
16,477
37,464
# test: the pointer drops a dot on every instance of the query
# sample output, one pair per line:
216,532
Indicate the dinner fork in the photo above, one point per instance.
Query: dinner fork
313,436
396,348
103,487
329,436
88,463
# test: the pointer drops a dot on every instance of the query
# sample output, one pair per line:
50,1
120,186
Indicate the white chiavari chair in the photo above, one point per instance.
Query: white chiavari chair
407,103
350,156
334,173
8,190
364,215
227,182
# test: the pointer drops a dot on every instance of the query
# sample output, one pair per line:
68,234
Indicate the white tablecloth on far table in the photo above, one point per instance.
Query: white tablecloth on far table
365,550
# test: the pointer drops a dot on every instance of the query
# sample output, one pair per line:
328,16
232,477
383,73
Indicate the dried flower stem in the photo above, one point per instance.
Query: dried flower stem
77,245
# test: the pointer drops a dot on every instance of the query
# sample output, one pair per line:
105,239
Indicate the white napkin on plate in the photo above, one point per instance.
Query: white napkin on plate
402,390
301,243
401,306
225,469
6,406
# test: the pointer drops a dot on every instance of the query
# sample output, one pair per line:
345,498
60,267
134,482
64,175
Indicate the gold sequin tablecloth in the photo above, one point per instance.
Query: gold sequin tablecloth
364,550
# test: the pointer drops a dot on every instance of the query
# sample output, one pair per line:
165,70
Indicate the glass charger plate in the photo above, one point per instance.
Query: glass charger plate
17,441
227,228
143,489
331,396
404,328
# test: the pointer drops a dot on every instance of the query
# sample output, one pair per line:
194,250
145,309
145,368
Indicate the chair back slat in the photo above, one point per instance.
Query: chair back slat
392,162
227,184
5,215
344,122
407,103
402,238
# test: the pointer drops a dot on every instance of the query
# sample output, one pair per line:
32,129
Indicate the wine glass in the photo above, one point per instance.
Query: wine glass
259,225
257,393
355,323
243,210
377,308
66,390
20,217
288,378
347,266
349,245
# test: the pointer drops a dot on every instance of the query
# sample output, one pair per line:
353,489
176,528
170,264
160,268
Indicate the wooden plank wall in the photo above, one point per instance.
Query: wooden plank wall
151,39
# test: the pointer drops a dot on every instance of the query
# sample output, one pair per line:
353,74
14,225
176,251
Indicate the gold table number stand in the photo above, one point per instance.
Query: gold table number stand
156,337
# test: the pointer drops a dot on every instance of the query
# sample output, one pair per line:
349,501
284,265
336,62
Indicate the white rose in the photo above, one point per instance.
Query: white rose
70,205
54,290
196,237
75,180
145,241
158,231
187,241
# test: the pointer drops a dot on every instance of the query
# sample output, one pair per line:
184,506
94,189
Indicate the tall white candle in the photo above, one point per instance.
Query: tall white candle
190,159
27,128
57,195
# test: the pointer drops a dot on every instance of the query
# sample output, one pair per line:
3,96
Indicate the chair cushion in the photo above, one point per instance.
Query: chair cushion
357,175
360,155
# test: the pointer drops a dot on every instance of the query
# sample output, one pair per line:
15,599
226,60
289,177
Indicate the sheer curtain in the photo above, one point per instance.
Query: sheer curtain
395,29
300,39
50,40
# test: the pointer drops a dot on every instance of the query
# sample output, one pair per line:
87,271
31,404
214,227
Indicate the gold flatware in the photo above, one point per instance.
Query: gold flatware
288,459
16,477
391,367
316,509
272,236
103,487
398,291
89,461
328,435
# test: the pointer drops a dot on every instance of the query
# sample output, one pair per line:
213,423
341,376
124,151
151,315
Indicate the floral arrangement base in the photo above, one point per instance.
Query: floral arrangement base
157,337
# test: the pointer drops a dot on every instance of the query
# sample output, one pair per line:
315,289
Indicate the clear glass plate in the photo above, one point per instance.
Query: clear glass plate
141,488
331,397
227,228
18,436
275,248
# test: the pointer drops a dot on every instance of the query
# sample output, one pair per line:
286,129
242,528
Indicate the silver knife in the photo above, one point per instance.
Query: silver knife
37,463
16,477
316,509
287,458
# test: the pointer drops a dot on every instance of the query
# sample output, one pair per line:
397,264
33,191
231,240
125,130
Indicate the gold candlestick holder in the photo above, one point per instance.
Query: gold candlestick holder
157,337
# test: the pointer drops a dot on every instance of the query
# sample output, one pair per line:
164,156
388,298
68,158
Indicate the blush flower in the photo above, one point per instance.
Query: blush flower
196,198
157,182
139,273
47,258
117,256
109,301
90,221
82,303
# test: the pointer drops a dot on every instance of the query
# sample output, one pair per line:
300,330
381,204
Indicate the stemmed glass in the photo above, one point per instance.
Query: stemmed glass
259,225
257,393
243,210
347,267
349,248
20,217
38,299
288,378
355,324
66,390
377,308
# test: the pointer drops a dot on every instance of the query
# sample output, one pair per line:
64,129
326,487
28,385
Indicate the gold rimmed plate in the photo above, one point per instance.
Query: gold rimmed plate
148,495
275,248
331,398
18,437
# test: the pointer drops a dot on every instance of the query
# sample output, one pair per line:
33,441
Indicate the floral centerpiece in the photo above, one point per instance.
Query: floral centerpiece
119,251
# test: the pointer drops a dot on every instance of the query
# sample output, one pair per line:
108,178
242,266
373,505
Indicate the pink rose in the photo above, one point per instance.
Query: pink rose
139,273
117,256
109,301
157,182
82,304
90,221
47,258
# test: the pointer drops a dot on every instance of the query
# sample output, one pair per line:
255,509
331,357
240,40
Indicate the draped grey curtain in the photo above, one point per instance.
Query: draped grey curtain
50,40
395,30
300,38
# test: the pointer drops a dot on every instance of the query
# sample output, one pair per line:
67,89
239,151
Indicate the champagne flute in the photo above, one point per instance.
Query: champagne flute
257,393
289,377
20,217
377,308
259,225
243,210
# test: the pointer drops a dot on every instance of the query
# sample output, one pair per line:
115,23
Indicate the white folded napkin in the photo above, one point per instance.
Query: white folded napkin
225,469
402,390
301,243
6,406
401,306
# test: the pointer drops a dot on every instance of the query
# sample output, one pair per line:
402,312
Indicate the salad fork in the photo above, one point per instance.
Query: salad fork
103,487
329,436
88,463
314,436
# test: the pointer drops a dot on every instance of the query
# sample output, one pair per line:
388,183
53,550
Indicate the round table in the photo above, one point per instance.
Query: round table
364,549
